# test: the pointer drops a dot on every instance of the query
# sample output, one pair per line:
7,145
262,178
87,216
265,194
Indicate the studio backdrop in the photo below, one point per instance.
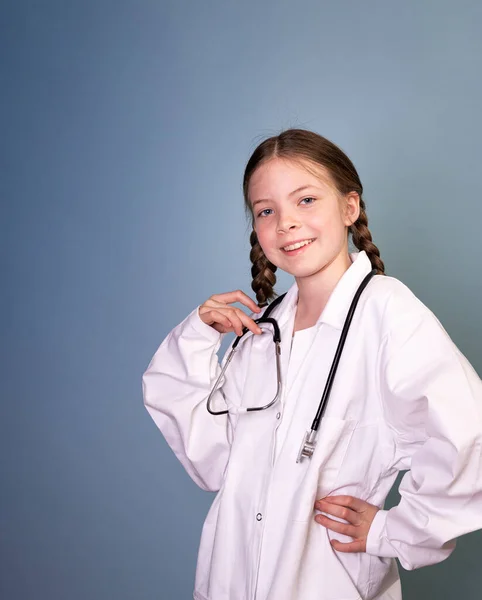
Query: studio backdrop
125,129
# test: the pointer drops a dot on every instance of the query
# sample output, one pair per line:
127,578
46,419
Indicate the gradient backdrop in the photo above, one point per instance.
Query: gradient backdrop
125,128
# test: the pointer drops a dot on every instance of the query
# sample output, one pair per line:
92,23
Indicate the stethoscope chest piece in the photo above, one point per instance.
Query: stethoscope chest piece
308,445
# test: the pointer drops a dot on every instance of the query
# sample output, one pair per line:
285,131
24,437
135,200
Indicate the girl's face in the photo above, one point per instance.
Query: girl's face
291,205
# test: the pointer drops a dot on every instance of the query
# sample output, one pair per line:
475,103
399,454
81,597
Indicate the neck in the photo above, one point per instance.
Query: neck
315,290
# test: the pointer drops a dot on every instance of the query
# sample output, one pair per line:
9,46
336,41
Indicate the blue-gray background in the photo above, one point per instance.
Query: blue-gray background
125,127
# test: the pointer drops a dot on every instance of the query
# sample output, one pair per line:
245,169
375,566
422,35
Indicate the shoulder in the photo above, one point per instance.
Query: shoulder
388,290
395,305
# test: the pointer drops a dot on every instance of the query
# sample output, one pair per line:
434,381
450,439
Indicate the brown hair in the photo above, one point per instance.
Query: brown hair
304,145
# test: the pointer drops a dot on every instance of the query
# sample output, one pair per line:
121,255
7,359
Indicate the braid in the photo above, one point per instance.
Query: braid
362,238
262,272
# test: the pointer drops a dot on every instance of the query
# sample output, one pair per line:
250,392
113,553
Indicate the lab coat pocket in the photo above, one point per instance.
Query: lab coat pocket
310,570
367,456
317,475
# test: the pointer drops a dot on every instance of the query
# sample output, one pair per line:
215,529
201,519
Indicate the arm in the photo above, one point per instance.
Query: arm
175,388
432,401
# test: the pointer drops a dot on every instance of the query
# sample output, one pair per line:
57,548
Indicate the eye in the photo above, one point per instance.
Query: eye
308,198
261,214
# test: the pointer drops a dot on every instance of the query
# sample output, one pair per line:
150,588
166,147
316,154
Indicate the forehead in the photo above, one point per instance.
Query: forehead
280,176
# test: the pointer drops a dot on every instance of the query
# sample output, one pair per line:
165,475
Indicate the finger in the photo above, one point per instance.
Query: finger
217,303
239,320
229,320
236,318
355,546
339,511
336,526
223,306
237,296
349,501
248,321
213,317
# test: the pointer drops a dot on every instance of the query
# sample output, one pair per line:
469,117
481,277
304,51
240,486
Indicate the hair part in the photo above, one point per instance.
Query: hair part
311,150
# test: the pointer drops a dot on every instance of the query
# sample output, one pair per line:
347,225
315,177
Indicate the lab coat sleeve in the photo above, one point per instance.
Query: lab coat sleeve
432,402
176,385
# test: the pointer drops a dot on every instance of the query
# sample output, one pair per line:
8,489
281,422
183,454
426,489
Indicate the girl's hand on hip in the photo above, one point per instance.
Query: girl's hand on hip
224,318
359,515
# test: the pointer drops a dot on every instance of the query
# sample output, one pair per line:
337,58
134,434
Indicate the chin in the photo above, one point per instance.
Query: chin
303,271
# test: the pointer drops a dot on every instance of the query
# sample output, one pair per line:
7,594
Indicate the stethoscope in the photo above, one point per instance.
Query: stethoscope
309,440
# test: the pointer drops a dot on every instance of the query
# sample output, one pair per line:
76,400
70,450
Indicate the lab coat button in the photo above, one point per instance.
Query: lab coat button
278,415
259,516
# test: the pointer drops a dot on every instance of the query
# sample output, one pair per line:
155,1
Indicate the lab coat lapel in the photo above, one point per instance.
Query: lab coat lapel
303,368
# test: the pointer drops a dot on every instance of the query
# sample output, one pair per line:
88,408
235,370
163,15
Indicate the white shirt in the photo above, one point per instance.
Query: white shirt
300,345
404,397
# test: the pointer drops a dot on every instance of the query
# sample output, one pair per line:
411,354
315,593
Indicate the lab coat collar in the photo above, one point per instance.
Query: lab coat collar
336,309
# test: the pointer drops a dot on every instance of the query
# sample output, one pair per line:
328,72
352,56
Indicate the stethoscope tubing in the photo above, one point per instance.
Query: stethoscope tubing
277,340
339,350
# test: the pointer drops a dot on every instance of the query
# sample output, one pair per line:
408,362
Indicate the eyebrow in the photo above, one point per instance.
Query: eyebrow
300,189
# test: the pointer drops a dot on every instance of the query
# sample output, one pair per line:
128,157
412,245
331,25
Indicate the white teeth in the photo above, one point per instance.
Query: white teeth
298,245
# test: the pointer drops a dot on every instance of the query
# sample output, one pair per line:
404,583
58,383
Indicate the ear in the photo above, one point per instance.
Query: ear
352,208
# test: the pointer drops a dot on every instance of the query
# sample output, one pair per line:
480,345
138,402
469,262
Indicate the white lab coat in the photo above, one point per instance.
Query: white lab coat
404,397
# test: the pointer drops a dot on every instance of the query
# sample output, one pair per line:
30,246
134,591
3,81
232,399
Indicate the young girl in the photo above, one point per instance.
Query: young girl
291,525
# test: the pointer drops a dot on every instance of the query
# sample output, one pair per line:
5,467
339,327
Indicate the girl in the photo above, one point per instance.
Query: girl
291,527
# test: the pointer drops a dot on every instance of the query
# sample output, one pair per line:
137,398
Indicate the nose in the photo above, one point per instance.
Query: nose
287,222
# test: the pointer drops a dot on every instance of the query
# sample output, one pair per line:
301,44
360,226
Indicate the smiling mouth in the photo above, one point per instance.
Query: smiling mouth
298,245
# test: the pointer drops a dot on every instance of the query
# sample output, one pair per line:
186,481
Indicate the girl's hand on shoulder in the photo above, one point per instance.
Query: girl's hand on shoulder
358,513
224,318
